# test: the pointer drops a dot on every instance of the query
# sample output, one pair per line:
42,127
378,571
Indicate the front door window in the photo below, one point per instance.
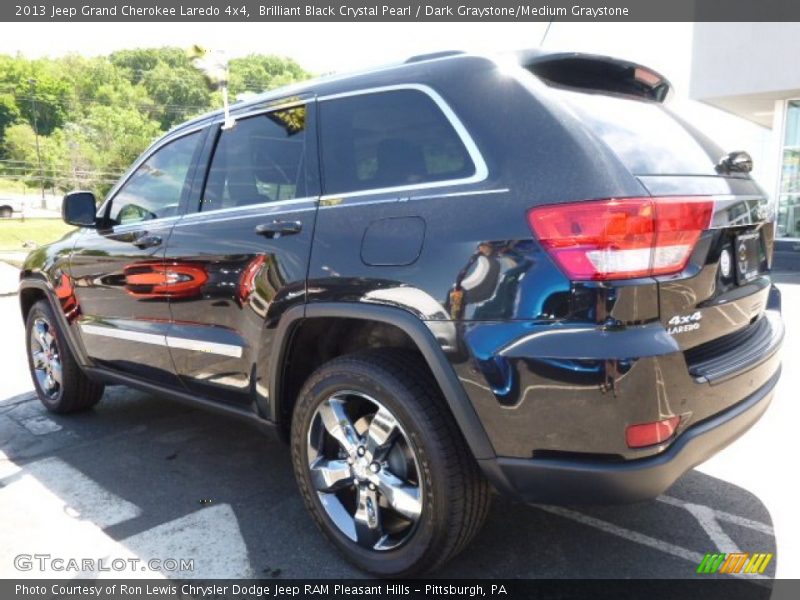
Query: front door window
154,190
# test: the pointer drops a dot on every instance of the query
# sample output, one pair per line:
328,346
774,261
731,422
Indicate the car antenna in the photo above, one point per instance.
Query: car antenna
546,31
214,66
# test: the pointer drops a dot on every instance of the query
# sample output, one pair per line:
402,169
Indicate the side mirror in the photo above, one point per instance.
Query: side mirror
79,208
735,162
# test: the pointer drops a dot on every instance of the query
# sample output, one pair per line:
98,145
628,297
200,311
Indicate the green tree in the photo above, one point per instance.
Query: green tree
9,114
257,73
116,136
43,87
177,93
98,81
136,63
20,142
176,89
95,115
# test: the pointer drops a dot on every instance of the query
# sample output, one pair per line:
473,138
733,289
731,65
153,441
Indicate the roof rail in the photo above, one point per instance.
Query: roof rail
432,55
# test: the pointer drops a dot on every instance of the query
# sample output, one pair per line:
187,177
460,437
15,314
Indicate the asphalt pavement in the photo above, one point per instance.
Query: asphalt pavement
143,478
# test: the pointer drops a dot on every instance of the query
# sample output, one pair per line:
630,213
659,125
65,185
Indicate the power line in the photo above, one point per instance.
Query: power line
38,178
59,168
143,106
258,84
11,164
174,77
24,171
56,168
67,173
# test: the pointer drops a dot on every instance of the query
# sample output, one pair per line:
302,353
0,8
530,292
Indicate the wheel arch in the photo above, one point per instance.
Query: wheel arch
28,296
32,291
418,334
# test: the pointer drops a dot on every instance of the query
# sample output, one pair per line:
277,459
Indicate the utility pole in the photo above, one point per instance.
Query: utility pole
32,83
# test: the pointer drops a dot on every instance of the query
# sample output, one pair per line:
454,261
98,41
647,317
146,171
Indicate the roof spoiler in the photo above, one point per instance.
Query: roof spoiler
596,73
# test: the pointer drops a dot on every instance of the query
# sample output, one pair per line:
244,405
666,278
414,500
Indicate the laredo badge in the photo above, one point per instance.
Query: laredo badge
684,323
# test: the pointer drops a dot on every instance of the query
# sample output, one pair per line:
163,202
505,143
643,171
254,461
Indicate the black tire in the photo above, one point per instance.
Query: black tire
455,495
6,212
75,391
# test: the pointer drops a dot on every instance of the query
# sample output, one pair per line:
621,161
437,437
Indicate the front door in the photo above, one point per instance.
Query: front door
117,269
246,246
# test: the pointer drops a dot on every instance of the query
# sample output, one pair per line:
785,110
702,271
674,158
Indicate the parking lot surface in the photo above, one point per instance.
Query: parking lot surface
141,477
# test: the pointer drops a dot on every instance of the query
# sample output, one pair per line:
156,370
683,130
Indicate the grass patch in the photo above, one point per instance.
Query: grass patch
15,186
15,232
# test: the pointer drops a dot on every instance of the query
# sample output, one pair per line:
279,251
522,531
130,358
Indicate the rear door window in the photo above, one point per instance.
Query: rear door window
647,138
388,139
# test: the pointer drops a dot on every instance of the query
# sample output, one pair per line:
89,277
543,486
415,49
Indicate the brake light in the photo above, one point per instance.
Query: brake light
622,238
649,434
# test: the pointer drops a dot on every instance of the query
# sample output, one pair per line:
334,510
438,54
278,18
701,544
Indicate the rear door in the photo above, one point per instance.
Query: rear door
239,258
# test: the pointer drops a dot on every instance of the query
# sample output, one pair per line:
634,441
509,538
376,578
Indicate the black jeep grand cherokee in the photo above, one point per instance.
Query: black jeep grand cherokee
431,278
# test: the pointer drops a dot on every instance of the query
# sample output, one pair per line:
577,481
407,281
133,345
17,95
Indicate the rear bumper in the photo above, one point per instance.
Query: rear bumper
553,391
576,481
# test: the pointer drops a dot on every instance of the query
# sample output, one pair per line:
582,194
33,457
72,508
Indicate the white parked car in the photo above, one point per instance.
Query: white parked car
9,205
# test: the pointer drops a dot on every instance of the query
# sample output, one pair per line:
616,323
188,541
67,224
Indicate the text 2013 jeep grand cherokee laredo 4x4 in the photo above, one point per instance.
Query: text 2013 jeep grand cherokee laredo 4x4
431,278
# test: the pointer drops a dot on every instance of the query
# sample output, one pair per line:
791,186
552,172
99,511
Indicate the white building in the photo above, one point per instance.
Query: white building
753,70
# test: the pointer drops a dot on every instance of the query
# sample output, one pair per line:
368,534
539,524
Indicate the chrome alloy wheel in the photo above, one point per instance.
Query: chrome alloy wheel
364,470
45,357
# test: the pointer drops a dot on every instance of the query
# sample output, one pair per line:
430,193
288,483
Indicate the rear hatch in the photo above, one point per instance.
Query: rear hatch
714,304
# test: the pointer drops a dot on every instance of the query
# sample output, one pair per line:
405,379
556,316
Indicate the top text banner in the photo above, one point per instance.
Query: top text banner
400,10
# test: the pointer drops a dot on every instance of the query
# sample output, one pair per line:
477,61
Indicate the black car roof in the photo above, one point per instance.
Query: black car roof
420,68
416,67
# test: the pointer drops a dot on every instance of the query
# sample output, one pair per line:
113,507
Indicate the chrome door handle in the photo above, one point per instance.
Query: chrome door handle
276,229
147,241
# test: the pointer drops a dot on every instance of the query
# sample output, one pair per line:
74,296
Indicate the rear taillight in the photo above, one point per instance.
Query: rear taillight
622,238
649,434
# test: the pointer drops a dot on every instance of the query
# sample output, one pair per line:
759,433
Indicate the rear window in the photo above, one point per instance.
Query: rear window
388,139
644,135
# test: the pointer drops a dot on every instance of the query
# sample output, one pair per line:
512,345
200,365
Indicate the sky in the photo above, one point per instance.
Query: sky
341,47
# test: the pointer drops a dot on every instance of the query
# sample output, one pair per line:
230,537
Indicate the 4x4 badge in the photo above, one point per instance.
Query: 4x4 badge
684,323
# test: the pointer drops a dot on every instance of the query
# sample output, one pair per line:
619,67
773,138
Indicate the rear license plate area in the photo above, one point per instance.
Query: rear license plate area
747,250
